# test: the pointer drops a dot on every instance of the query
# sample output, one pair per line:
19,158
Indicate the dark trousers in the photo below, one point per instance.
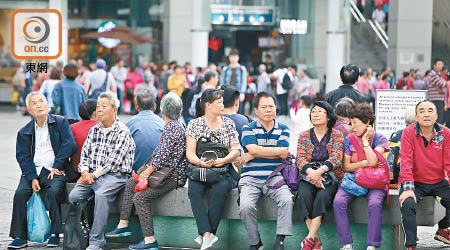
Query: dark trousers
52,191
208,221
241,108
440,111
283,100
313,202
408,208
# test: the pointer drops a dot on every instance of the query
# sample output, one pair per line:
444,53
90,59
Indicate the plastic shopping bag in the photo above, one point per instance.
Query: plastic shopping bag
37,220
142,185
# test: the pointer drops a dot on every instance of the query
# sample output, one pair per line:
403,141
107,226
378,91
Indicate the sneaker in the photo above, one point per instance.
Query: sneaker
411,248
317,244
443,235
199,240
53,241
279,243
307,243
347,247
258,246
119,233
18,243
371,248
208,241
141,246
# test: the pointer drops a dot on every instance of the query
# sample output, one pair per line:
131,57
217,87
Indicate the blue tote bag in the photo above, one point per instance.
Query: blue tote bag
38,221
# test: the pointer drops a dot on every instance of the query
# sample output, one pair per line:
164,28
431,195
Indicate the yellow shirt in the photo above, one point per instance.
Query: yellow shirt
177,84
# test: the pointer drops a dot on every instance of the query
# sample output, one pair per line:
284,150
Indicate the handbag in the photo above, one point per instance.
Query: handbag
213,174
158,177
328,176
371,177
76,221
38,222
350,186
289,172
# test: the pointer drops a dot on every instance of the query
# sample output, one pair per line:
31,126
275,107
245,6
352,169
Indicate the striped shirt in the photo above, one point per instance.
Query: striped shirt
108,150
254,133
343,126
435,83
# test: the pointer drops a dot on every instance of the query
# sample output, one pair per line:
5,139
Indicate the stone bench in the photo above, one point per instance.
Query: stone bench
173,217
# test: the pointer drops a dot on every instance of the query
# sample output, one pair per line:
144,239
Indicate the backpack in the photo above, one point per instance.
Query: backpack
96,92
287,83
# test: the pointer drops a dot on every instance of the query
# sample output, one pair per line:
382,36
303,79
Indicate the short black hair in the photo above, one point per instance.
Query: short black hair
385,76
406,74
230,95
307,100
330,113
293,66
87,108
234,52
349,74
437,60
267,56
426,100
263,94
172,63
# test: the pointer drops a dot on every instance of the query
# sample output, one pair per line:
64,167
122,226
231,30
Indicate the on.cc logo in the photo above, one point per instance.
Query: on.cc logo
36,29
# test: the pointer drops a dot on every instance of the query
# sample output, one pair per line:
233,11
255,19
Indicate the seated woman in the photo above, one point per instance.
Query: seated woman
168,154
362,117
319,154
219,129
80,130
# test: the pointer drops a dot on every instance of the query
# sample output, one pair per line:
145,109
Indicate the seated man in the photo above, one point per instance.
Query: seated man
266,143
43,148
425,154
146,127
105,163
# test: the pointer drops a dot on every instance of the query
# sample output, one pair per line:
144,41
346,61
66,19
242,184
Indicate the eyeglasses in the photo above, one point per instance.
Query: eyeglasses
318,112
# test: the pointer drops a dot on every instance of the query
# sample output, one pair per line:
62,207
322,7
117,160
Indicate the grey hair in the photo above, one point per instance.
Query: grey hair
140,87
262,66
31,94
172,106
343,107
410,115
115,103
146,98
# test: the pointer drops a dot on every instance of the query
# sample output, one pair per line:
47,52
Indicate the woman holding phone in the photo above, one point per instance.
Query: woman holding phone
362,119
212,125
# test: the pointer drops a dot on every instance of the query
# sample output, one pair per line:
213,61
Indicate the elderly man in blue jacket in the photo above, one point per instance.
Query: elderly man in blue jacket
43,148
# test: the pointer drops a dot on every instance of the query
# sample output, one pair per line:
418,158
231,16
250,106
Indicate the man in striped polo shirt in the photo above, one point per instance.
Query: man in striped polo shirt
436,89
266,144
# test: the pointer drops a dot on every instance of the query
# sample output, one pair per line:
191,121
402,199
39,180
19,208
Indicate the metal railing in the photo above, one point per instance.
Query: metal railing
376,27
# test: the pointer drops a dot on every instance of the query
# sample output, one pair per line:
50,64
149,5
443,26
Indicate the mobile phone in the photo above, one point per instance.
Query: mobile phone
209,156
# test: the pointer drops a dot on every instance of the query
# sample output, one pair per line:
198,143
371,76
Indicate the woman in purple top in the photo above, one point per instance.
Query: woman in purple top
362,118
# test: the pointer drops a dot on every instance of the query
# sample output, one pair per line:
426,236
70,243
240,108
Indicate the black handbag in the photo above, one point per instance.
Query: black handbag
213,174
76,221
328,176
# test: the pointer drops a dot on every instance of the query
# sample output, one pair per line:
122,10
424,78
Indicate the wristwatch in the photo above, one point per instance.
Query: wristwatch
366,144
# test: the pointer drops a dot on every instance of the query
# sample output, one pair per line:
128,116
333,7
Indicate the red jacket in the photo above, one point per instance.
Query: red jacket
424,164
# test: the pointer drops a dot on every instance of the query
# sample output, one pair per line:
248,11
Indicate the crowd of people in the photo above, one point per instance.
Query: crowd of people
221,149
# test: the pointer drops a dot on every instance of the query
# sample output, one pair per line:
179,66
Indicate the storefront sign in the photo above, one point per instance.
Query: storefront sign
293,26
107,42
241,15
391,106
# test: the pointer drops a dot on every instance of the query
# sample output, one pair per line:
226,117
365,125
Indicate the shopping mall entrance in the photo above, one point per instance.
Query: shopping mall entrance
253,43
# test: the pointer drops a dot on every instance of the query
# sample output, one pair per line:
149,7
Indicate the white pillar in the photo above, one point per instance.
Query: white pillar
335,46
201,25
408,49
62,6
